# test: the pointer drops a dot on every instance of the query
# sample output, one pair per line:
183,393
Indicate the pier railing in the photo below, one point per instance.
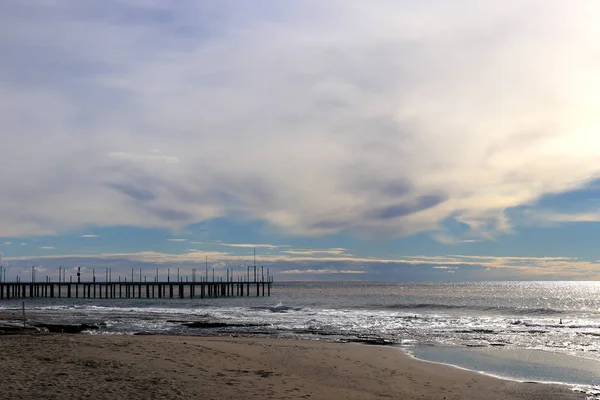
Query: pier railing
203,287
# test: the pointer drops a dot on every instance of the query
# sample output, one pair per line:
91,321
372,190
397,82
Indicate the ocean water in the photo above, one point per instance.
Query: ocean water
503,328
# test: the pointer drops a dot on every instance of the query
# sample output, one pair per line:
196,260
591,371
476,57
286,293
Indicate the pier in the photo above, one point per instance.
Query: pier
255,284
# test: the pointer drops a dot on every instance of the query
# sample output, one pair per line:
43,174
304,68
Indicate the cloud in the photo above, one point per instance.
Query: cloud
322,271
333,251
7,243
47,248
23,244
375,119
447,239
405,268
176,240
143,157
450,270
249,245
89,236
562,217
444,267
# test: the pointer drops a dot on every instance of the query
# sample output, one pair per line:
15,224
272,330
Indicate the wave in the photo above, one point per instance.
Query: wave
559,325
279,308
498,309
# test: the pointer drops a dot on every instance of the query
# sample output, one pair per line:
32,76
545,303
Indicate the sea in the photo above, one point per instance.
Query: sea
546,332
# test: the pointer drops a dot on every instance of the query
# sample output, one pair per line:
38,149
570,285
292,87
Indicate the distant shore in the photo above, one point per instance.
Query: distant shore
62,366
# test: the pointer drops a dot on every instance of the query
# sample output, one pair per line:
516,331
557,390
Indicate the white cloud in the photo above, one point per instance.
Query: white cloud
333,251
143,157
444,267
89,236
554,216
176,240
380,118
7,243
23,244
249,245
322,271
538,267
47,247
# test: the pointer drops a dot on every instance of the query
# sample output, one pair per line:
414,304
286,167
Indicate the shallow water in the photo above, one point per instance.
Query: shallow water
522,365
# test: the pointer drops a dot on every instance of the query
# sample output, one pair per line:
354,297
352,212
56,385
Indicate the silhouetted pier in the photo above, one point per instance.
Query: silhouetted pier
249,284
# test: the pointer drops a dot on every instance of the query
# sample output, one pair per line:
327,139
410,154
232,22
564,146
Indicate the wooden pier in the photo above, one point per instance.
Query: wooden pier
258,285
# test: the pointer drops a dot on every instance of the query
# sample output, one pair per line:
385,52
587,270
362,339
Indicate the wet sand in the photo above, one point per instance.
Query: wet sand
61,366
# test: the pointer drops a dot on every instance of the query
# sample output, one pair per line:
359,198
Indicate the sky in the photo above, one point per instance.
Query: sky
343,140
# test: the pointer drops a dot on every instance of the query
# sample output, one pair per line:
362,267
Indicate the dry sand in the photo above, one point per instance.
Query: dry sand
55,366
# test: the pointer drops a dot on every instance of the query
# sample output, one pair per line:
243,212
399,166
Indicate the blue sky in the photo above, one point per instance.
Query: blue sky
342,139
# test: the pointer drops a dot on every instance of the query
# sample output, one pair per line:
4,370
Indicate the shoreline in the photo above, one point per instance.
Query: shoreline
571,373
237,367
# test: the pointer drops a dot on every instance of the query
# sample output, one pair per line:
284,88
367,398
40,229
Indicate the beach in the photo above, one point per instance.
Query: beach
62,366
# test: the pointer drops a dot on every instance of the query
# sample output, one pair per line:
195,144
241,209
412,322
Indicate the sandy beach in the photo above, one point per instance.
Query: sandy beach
61,366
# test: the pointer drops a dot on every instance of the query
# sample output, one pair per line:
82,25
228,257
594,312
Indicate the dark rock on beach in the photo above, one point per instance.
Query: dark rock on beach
372,341
67,328
214,324
8,328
